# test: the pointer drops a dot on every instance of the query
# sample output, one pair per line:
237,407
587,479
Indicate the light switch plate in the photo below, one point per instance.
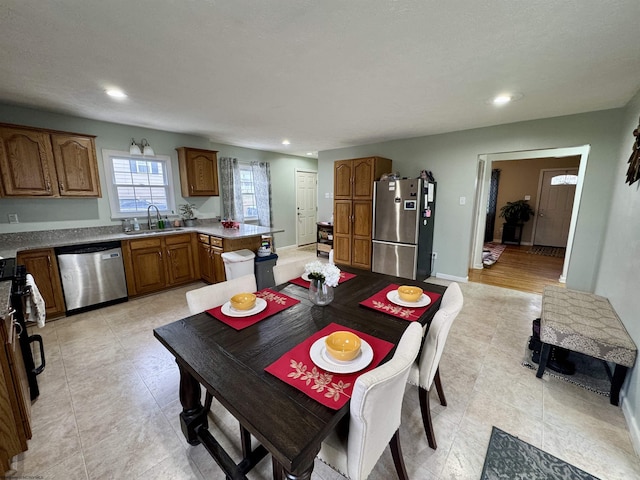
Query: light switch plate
13,218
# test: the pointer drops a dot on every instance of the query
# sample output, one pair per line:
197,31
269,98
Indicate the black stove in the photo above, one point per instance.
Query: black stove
20,290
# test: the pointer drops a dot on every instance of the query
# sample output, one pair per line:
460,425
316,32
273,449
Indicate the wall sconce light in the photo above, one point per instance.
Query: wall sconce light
142,148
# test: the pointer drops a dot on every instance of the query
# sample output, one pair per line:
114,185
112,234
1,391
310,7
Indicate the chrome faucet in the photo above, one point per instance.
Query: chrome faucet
149,216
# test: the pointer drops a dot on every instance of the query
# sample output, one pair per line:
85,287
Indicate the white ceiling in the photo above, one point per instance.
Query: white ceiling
322,73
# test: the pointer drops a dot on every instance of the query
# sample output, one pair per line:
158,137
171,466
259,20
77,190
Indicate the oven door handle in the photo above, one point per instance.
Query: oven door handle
38,338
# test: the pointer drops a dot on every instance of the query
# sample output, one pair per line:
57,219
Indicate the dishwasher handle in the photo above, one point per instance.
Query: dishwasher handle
87,248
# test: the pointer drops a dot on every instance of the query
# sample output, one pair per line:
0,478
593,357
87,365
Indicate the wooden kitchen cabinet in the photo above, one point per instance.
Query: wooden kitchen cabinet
15,400
42,264
353,208
153,264
198,172
45,163
211,248
26,158
76,165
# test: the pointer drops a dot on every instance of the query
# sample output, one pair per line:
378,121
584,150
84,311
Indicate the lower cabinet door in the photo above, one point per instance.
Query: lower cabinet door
180,263
148,270
218,265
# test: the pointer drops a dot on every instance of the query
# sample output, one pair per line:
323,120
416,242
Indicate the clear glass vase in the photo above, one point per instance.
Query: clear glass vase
319,292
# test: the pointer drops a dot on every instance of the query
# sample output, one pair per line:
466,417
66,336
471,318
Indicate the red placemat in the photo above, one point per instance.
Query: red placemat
276,302
344,276
380,303
330,389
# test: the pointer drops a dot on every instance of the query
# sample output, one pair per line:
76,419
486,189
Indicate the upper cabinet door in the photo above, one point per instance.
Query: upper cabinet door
198,172
342,179
363,177
26,161
76,166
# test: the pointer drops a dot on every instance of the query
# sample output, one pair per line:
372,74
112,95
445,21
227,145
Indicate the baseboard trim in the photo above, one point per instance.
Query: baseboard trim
632,424
453,278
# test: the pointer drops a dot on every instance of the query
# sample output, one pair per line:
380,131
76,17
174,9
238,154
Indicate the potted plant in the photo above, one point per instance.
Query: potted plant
188,214
516,213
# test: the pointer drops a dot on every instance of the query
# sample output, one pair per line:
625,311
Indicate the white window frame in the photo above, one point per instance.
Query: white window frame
247,167
108,155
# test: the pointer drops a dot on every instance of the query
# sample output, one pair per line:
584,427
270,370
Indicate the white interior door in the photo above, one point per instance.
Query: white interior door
554,209
306,206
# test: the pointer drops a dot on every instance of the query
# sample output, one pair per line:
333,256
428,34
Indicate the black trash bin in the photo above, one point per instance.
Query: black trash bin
264,271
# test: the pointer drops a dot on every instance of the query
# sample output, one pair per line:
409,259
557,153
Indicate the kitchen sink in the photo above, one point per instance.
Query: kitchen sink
154,232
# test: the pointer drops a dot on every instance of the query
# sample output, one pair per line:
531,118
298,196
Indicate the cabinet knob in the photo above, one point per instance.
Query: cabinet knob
61,185
48,186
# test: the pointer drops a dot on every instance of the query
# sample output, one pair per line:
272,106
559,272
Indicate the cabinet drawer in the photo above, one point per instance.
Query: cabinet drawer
203,238
176,239
216,241
145,243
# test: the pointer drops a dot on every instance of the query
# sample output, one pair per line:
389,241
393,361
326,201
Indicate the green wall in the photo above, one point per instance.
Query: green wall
50,214
620,264
453,159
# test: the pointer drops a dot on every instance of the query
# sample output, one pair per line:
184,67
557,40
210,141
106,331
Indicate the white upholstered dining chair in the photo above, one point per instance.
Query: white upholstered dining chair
211,296
355,446
426,371
283,272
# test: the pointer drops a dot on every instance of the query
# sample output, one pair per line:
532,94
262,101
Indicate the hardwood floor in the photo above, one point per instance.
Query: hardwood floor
520,270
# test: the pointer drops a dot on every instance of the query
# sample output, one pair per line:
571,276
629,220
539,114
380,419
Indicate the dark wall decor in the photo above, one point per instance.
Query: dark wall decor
633,174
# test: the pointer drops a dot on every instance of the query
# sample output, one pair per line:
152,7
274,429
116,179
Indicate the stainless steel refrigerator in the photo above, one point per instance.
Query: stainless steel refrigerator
403,220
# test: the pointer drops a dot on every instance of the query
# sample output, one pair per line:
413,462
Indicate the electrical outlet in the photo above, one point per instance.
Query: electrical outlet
13,218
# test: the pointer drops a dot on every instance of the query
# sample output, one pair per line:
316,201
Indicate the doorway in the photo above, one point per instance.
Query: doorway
484,182
306,206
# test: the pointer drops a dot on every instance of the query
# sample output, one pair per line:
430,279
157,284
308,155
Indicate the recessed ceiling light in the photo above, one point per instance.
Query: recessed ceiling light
503,99
286,142
116,93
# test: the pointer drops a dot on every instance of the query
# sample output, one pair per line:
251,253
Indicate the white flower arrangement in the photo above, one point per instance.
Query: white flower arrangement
327,272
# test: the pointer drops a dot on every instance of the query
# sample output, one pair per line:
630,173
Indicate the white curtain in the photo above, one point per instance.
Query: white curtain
231,189
262,190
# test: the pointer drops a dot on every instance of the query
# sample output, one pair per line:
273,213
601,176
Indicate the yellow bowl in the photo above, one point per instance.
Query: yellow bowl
343,345
243,301
409,293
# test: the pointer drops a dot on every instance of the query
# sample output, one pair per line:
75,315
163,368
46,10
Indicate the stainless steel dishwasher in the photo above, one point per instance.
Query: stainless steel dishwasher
92,275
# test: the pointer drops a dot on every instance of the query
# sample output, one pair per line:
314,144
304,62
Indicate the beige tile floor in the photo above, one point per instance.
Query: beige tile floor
109,405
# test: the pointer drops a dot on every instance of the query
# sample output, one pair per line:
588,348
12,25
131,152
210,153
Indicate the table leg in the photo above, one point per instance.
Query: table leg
193,415
619,374
306,475
544,357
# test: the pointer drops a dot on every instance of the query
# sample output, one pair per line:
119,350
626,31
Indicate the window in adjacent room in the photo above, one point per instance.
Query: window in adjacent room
135,182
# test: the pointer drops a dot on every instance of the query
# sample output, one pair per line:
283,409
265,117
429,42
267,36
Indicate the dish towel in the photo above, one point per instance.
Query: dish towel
35,308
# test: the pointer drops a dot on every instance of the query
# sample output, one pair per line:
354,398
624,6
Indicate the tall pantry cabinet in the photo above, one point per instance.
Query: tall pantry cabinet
353,208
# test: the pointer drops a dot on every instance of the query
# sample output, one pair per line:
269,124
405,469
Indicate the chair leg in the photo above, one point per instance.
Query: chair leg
436,379
396,453
423,396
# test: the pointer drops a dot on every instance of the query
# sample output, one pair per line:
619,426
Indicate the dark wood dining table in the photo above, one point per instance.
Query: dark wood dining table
230,365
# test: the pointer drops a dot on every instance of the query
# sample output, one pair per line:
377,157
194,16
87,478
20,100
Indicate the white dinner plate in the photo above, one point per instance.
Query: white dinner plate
393,296
319,356
229,311
305,277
